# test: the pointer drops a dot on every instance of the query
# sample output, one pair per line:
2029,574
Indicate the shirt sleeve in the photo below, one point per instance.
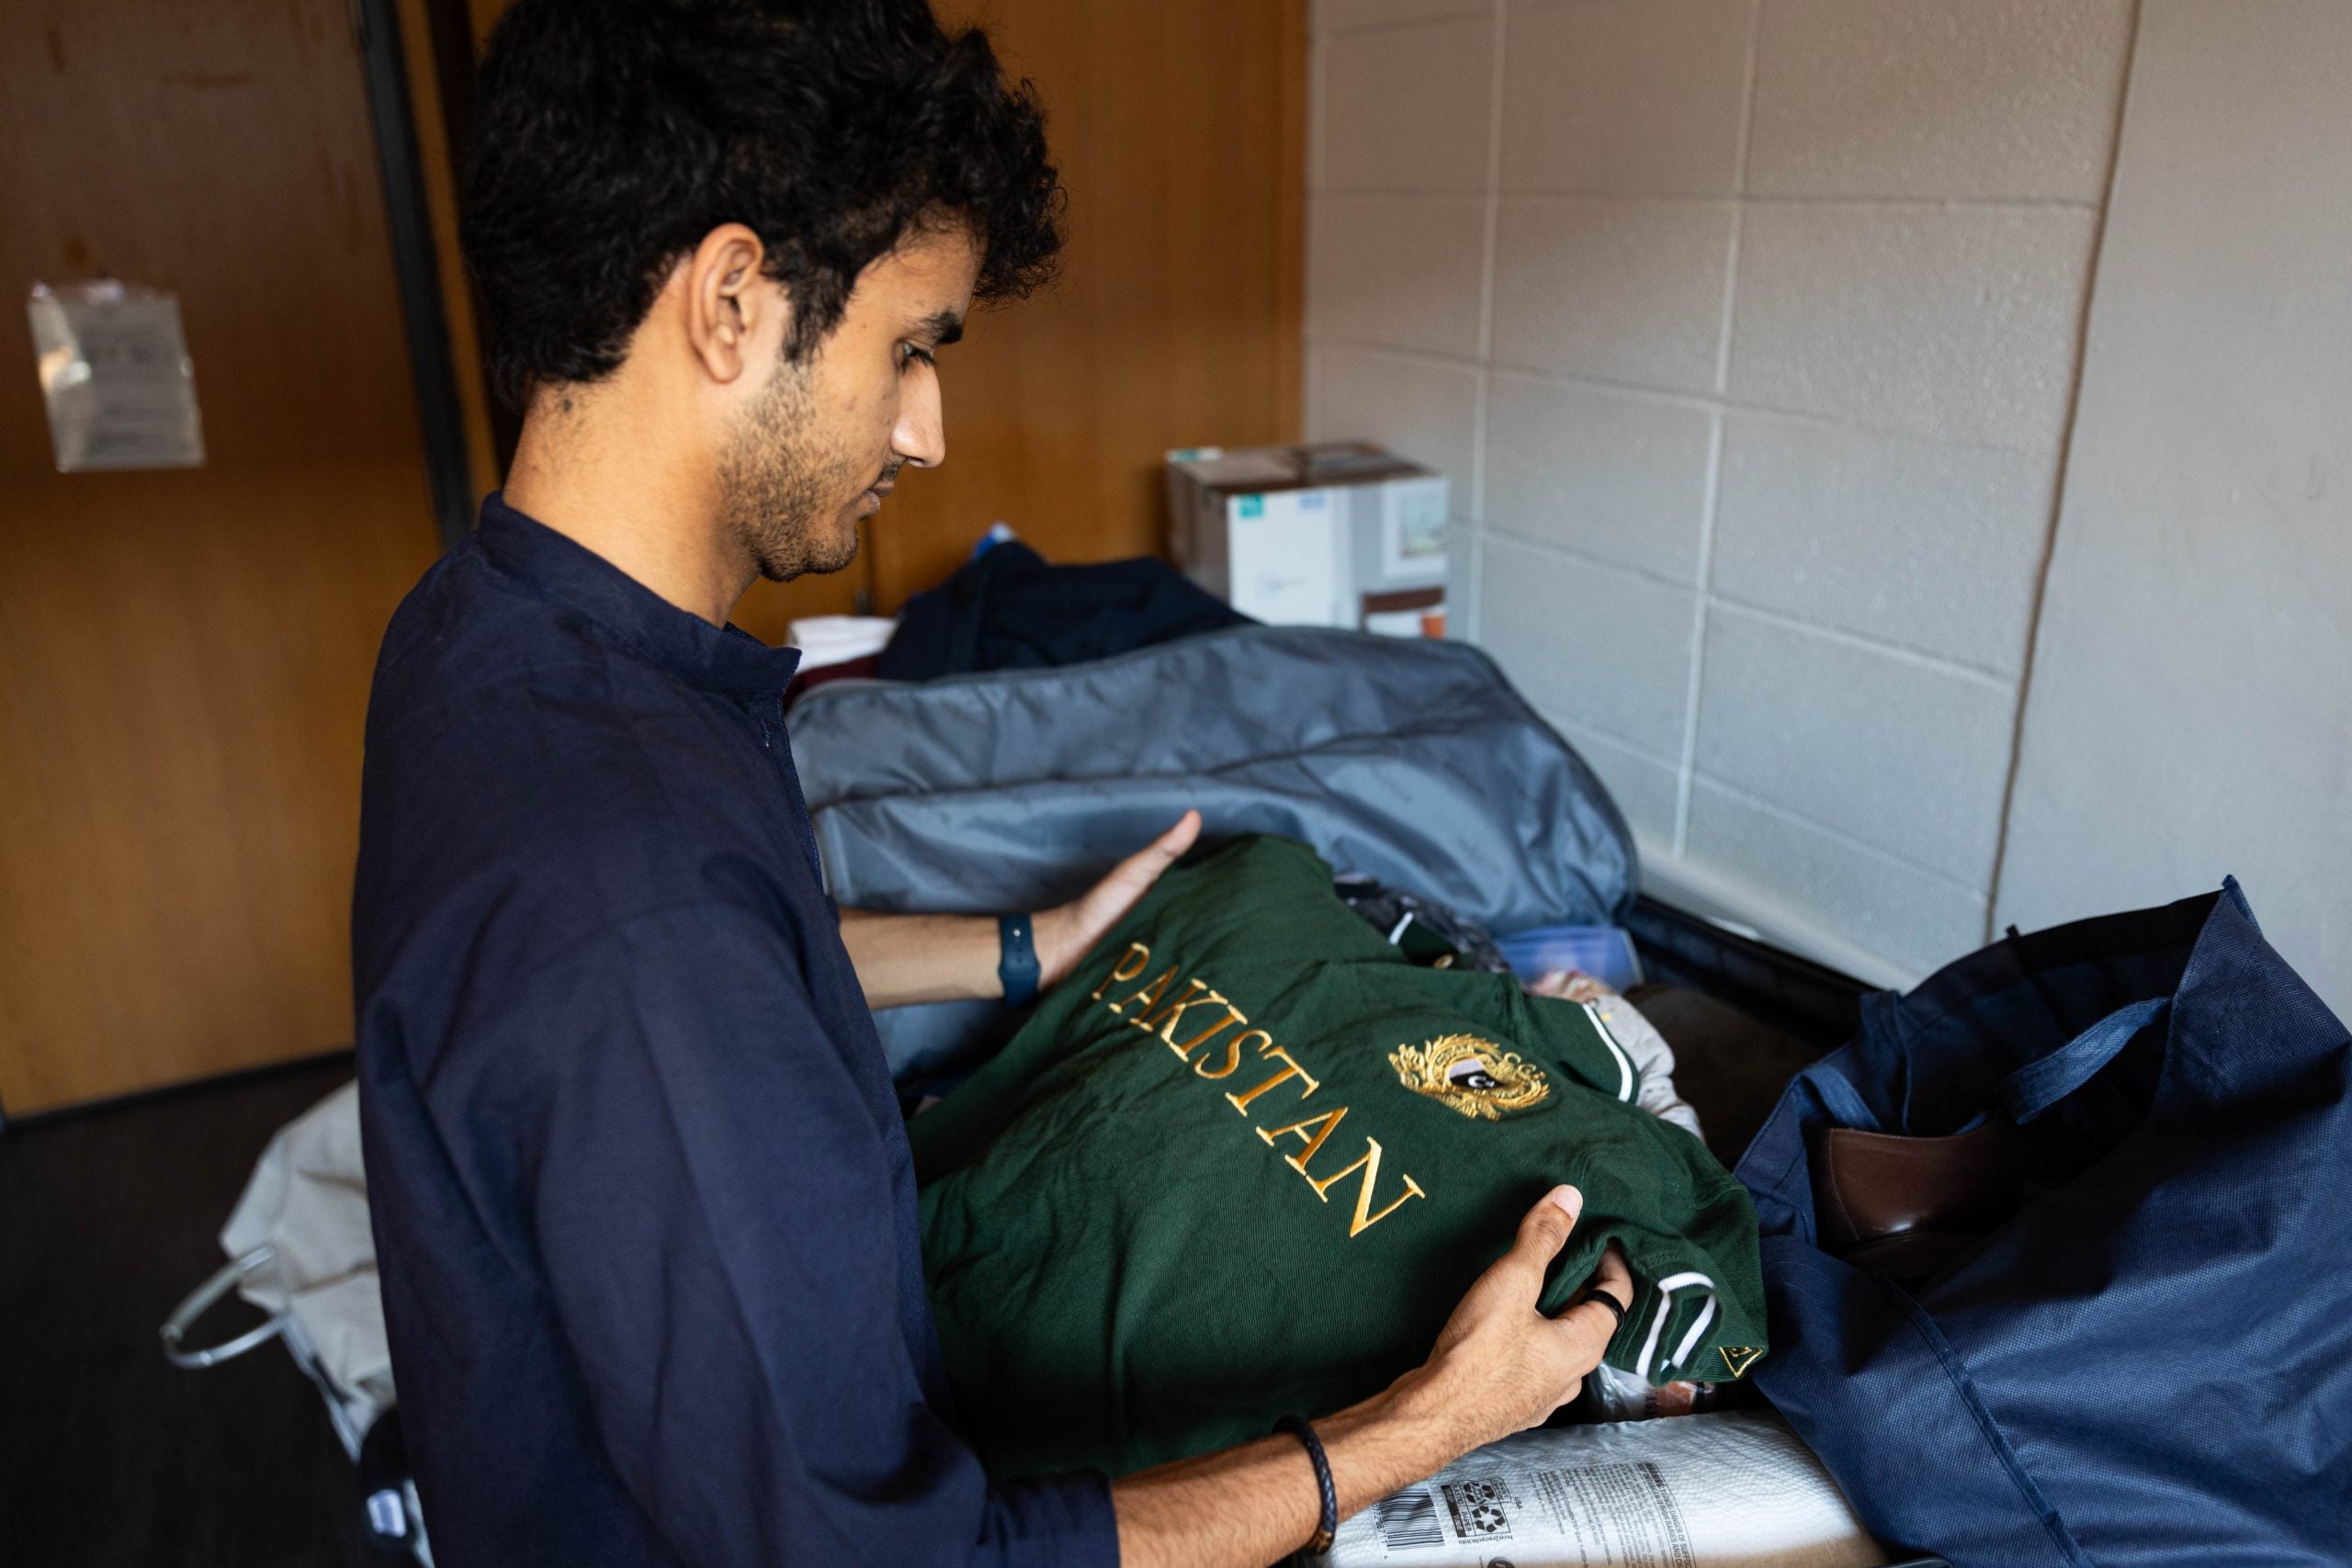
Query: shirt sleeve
724,1222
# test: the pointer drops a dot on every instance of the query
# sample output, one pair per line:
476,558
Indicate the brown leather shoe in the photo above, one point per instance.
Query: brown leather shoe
1911,1206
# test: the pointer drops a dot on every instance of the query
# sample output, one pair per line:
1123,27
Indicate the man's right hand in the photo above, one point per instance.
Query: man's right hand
1500,1365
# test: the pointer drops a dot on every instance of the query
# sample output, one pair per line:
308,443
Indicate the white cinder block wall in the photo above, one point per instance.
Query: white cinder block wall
2191,703
1748,331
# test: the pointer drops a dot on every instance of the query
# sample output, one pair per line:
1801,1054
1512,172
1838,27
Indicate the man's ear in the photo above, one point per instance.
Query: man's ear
730,301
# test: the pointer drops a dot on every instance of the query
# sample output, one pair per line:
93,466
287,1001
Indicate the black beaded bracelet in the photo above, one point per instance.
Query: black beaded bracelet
1327,1528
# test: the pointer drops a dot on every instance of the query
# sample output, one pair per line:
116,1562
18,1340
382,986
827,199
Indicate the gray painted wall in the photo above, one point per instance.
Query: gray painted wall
1752,331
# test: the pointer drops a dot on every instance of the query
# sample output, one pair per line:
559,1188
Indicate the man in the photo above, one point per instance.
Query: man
643,1203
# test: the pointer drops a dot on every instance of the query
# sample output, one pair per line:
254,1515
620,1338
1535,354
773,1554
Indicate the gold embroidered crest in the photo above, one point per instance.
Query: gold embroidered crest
1738,1357
1475,1076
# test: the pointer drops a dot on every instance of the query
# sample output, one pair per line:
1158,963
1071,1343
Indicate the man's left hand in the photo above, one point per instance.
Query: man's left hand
1063,935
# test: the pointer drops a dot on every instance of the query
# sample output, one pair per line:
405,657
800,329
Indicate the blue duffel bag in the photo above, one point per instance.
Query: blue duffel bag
2148,1358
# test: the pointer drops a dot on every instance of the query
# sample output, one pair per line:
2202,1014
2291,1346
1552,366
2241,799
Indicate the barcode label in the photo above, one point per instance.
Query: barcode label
1410,1519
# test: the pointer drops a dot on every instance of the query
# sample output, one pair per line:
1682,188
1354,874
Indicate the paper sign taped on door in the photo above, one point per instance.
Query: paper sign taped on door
115,375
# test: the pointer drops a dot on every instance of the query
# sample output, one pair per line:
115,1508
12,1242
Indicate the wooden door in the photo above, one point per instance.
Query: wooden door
184,655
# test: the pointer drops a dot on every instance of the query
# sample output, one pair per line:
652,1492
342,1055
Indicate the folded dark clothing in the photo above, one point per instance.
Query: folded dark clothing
1010,609
866,668
1421,928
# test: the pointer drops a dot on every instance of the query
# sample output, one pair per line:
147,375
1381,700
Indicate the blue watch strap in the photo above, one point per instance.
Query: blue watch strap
1016,966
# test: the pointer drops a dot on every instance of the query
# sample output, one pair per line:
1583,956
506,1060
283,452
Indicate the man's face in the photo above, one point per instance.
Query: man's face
821,443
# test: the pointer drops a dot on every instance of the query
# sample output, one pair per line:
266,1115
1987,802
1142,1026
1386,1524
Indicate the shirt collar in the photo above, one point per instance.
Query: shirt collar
719,659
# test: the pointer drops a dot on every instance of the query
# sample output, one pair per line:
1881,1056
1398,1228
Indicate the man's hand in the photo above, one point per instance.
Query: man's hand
1499,1366
1063,935
904,959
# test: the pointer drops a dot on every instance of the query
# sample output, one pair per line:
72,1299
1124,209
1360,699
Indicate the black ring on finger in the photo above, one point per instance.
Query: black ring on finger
1605,1299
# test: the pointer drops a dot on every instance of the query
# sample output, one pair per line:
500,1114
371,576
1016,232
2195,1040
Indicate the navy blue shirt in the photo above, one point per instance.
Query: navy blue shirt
643,1205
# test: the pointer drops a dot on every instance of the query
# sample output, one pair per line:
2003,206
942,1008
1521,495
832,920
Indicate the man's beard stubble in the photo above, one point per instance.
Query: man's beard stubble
776,479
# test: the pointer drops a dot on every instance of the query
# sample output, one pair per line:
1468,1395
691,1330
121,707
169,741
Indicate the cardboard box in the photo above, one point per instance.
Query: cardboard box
1332,533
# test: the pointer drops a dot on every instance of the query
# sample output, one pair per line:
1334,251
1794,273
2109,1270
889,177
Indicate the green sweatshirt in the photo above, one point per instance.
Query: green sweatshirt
1246,1159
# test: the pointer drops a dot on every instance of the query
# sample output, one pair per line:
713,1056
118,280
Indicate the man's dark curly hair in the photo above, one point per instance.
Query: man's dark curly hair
613,135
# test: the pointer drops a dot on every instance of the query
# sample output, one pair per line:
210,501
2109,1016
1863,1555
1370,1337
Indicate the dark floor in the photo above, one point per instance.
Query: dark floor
108,1455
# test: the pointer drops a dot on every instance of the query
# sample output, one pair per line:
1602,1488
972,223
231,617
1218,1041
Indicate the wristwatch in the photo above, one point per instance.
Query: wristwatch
1016,965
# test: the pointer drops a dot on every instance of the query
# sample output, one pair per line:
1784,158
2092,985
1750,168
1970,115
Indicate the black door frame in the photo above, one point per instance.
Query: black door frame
440,415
